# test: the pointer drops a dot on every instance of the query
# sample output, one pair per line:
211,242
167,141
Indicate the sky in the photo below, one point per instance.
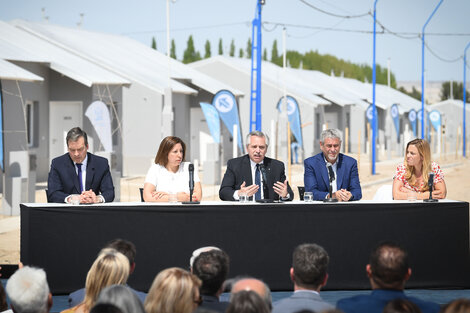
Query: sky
318,25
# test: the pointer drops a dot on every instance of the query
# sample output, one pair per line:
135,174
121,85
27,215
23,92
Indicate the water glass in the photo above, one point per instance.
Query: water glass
172,198
74,199
243,198
308,196
411,196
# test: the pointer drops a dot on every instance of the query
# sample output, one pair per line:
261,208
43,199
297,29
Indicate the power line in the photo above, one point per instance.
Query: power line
441,58
334,14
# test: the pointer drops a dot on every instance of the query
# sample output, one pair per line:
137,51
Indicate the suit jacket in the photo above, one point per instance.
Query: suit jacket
77,297
376,301
301,300
316,177
63,179
212,303
239,171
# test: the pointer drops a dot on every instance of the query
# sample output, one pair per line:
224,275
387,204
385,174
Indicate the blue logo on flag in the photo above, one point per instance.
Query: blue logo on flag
435,118
224,101
396,119
370,113
293,115
412,119
212,119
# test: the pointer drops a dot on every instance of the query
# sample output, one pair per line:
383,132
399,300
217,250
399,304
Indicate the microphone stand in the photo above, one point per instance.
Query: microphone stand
331,199
430,184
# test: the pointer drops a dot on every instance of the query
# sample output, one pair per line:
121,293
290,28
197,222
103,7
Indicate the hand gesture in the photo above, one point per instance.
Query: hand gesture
281,188
249,191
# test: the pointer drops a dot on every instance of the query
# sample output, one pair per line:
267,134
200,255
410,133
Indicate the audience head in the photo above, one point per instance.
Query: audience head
77,144
257,144
122,297
212,268
246,301
28,291
388,266
105,308
173,290
401,306
125,247
253,284
3,299
110,268
198,251
167,145
417,157
457,306
309,266
330,144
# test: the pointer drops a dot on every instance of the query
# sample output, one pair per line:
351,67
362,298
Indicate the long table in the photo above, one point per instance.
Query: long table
259,238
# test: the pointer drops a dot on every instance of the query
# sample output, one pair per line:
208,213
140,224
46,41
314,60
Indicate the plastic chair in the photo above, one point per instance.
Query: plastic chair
301,192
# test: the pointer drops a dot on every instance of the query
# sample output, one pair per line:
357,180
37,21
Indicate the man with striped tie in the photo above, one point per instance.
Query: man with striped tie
79,172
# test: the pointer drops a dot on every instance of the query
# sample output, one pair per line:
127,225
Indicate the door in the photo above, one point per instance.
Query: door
63,116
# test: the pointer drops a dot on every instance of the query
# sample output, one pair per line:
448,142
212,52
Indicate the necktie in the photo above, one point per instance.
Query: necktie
80,181
258,182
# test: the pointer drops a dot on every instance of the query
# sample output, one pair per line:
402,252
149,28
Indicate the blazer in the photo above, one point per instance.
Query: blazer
376,301
316,177
301,300
63,179
239,171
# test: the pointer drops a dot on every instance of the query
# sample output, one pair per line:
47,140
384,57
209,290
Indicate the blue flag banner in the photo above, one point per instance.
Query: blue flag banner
224,101
293,114
412,118
212,119
396,119
370,113
1,129
435,118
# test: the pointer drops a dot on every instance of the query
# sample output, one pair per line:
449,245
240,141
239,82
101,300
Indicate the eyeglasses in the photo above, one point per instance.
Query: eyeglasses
198,300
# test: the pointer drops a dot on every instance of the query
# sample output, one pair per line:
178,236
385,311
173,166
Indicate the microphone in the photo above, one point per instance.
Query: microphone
330,171
191,181
430,185
265,180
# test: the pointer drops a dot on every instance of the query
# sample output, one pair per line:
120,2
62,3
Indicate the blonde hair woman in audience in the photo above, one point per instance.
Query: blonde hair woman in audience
413,174
173,290
457,306
110,268
170,174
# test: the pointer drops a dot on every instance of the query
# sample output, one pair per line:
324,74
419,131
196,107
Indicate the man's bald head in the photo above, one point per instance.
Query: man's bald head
256,285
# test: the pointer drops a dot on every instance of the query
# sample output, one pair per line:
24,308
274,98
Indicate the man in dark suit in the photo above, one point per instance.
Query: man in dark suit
79,172
128,249
212,267
345,185
254,174
309,275
388,271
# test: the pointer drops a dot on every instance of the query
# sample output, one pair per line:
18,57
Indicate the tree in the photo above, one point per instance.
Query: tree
248,48
173,49
221,47
457,91
207,47
265,54
240,53
414,93
154,43
275,58
190,54
232,48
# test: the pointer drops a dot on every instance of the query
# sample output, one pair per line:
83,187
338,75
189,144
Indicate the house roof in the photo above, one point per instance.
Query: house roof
10,71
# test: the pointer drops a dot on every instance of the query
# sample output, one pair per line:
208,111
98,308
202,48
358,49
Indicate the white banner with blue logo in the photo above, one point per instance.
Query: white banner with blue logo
435,118
412,118
212,119
98,114
396,119
1,129
224,101
293,114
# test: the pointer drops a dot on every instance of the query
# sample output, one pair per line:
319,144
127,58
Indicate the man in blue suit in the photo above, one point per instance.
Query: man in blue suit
388,271
309,275
345,184
79,172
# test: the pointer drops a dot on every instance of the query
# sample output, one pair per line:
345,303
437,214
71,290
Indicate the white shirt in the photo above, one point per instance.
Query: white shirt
334,186
167,181
253,172
84,164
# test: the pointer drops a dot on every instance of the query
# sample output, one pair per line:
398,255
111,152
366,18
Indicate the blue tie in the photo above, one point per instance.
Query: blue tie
79,169
258,182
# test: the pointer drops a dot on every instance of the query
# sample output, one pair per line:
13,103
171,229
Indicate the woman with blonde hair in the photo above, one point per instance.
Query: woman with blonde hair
110,268
173,290
413,174
170,174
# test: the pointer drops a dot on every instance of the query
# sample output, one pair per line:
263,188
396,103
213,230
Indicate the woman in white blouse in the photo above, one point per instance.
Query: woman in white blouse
169,176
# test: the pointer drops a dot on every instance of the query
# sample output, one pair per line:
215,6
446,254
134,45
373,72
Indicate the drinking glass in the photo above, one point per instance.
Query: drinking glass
308,196
243,198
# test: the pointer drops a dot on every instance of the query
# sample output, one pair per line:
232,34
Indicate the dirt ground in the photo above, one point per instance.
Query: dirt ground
455,170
